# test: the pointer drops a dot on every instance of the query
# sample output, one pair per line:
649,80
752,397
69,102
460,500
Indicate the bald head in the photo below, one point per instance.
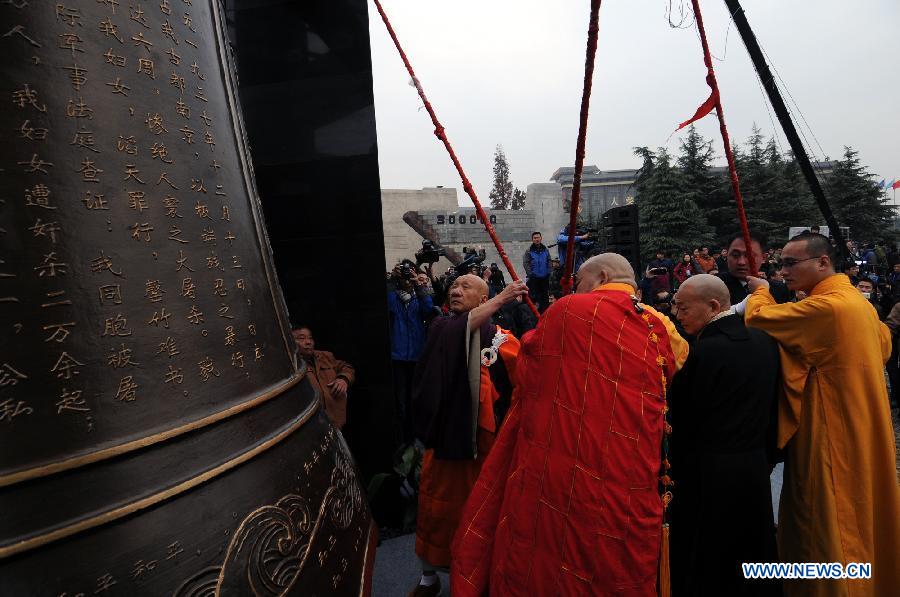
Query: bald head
466,293
603,269
699,299
706,288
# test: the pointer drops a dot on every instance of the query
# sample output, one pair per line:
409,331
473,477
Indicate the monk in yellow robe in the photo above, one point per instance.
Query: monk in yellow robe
840,501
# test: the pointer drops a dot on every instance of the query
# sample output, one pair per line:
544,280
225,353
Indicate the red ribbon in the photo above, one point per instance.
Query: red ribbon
706,107
715,101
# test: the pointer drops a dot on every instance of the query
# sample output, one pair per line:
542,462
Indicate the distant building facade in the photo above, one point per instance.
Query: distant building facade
601,190
546,211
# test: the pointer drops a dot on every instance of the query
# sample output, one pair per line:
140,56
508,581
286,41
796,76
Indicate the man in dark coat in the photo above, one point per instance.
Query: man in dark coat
722,261
739,268
723,413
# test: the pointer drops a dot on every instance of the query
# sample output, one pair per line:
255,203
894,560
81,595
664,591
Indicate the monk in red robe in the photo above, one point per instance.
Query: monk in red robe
462,390
568,501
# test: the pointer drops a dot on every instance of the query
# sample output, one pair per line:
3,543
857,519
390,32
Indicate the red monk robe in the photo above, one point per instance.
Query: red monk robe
568,502
450,467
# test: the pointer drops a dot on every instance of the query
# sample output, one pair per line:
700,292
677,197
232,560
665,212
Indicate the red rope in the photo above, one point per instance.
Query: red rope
732,170
442,135
590,53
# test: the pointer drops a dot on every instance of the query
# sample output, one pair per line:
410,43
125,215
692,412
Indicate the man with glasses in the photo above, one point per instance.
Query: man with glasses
735,277
840,500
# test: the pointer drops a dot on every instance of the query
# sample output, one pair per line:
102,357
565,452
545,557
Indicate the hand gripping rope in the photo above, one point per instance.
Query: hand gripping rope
442,135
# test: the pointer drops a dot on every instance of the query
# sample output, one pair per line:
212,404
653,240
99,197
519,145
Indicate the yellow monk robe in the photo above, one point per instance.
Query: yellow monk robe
840,501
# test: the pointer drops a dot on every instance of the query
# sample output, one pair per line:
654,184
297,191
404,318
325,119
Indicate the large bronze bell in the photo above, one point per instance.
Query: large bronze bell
157,436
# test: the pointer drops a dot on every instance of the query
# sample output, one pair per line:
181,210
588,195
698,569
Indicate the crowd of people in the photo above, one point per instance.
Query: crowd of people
553,446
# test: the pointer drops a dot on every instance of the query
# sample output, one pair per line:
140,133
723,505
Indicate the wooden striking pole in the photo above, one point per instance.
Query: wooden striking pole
784,117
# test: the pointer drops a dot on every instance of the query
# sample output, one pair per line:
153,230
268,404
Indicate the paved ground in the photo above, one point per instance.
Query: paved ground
397,569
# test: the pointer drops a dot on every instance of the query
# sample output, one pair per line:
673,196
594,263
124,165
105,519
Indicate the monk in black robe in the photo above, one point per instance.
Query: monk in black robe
462,389
723,404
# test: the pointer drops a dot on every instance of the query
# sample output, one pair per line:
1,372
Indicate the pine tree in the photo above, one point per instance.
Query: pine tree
858,202
501,195
669,219
792,201
756,166
518,199
694,162
702,187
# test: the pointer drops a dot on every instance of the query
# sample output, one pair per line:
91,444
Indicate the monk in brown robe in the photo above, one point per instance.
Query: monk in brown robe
461,391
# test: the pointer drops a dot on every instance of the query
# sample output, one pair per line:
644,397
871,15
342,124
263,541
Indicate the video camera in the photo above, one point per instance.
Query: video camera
429,253
473,258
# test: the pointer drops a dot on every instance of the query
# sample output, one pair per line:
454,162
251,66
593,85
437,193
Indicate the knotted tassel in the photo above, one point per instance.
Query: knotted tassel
665,577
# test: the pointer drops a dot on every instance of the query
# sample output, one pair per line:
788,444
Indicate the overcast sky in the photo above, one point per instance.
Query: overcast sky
510,72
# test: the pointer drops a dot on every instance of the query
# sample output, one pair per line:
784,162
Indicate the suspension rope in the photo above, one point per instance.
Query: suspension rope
716,101
441,134
590,54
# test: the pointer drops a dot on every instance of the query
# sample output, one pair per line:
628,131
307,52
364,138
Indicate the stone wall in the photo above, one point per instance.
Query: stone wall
460,227
545,199
456,227
401,241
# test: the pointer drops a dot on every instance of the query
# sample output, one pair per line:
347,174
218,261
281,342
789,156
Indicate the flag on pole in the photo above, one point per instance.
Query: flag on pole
896,185
891,184
881,184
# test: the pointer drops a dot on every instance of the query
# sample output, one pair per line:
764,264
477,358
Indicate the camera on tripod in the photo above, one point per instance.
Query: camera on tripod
429,253
473,257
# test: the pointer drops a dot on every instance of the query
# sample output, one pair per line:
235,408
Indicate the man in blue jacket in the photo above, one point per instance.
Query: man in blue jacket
583,245
409,305
537,271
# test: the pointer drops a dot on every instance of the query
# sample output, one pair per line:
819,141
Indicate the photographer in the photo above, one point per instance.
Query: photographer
584,244
867,288
656,288
662,265
428,255
495,280
409,305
